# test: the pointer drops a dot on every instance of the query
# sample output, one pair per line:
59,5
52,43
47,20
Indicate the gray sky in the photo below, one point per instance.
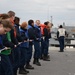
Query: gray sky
60,10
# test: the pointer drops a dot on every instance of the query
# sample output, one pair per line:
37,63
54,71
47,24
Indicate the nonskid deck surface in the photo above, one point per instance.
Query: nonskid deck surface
62,63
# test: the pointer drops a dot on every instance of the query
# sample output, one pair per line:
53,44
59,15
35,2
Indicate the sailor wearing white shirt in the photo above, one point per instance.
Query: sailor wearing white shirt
60,35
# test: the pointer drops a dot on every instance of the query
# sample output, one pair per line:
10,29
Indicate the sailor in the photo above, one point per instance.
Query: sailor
61,35
37,47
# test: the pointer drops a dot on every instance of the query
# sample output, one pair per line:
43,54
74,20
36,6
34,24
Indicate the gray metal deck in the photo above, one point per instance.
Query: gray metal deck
60,64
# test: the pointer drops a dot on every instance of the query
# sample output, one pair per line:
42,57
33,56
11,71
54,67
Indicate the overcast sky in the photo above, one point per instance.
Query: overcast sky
60,10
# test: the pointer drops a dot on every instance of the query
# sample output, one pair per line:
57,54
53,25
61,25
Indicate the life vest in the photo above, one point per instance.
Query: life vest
42,26
61,32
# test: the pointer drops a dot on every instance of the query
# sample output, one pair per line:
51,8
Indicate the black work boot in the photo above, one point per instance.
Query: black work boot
22,71
46,58
28,66
61,51
26,70
36,61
